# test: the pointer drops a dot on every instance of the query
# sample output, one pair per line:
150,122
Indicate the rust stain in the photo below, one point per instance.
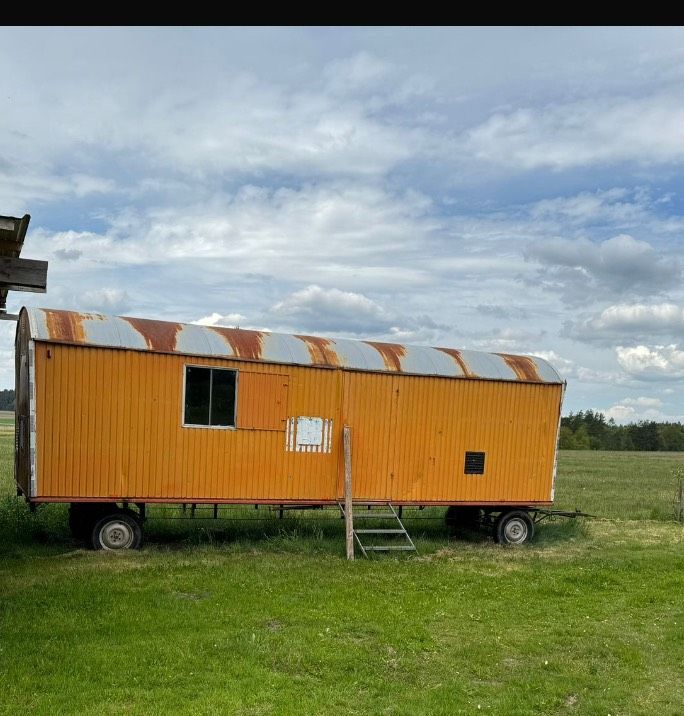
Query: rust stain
320,350
65,326
456,355
523,367
159,335
391,354
244,343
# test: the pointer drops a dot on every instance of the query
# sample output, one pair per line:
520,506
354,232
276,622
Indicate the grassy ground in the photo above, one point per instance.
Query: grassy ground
625,485
6,421
266,617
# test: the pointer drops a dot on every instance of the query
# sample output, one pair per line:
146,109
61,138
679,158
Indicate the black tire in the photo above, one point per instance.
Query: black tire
77,523
116,531
84,515
462,519
514,527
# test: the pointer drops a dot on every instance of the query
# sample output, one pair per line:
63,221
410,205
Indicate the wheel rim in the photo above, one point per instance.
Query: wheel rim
516,530
116,534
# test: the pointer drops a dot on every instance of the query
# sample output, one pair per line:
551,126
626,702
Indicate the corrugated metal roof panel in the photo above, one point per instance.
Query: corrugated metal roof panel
93,329
489,364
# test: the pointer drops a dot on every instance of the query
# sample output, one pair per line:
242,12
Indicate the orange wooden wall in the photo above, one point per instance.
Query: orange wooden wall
109,427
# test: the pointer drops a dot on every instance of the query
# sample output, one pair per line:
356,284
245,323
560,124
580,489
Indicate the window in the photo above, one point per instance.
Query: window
474,463
209,397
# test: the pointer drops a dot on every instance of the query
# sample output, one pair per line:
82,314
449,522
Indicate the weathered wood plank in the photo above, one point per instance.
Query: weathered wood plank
23,228
13,231
18,274
348,499
9,247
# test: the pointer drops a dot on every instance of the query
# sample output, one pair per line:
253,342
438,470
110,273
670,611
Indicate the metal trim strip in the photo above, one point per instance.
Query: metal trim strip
33,442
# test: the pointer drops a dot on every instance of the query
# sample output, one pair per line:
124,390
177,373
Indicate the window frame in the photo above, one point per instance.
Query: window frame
211,383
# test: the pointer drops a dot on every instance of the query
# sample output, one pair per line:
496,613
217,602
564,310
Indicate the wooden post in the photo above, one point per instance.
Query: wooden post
348,504
680,501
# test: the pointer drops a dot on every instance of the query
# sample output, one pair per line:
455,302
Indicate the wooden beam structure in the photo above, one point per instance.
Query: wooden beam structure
23,274
17,274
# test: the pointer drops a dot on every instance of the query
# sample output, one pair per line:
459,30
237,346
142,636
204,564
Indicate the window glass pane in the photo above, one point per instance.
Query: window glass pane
197,396
223,398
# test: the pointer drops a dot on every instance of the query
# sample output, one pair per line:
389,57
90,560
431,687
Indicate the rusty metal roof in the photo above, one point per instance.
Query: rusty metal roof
141,334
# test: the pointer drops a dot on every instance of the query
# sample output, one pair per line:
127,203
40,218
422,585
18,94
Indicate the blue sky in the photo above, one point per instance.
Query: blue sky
514,190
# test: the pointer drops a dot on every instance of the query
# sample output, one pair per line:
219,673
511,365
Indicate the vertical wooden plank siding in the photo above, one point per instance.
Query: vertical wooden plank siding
411,434
369,414
109,426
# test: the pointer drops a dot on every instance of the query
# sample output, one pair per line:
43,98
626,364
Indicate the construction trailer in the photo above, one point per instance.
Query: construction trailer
115,413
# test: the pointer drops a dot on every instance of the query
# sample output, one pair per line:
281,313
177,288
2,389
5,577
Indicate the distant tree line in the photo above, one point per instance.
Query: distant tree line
6,399
586,430
589,430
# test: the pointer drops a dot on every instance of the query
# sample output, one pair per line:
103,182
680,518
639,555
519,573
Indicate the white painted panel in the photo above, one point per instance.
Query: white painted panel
309,431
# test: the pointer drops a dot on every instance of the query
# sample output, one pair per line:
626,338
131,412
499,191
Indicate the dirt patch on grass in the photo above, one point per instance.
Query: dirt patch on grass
644,532
274,625
192,596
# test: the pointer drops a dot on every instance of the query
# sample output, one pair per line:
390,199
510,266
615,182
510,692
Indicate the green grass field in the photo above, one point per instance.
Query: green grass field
6,421
264,616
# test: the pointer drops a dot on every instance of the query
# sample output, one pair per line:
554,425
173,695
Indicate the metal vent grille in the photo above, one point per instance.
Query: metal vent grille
474,463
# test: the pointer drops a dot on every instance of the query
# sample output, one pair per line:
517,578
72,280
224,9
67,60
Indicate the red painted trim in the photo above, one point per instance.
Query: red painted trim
191,501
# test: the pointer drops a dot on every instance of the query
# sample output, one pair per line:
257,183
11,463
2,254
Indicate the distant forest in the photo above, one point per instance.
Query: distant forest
6,399
588,430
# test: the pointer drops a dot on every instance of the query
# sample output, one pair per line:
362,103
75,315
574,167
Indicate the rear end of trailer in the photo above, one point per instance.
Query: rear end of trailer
475,432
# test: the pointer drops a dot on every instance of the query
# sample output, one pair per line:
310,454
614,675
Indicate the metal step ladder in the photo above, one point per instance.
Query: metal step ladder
386,513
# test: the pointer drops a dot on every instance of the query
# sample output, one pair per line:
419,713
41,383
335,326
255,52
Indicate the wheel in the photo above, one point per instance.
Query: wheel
117,531
83,515
460,519
515,527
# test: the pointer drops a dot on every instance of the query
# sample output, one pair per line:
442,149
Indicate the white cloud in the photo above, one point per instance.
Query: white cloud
583,269
20,185
500,311
620,413
312,231
617,206
238,123
643,402
68,254
344,312
360,71
652,362
571,371
266,161
628,322
633,410
563,365
605,130
507,339
333,309
599,377
105,300
232,320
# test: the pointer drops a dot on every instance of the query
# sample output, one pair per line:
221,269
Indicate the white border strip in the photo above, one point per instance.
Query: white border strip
33,452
